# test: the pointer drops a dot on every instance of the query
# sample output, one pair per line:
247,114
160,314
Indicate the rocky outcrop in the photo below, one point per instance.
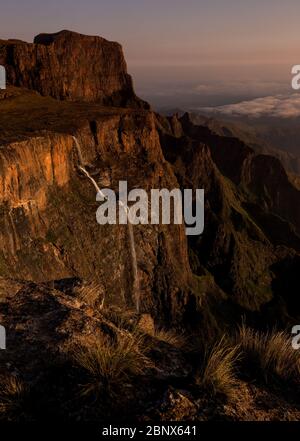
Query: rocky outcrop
70,66
41,377
45,325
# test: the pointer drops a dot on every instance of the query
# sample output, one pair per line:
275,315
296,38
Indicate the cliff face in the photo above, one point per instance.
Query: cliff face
261,177
48,230
48,207
47,218
71,66
251,236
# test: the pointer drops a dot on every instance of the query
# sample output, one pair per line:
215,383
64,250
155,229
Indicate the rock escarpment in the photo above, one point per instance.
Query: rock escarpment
47,217
48,207
70,66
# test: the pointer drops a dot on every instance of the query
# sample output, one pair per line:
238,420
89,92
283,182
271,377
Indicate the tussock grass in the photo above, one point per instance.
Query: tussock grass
173,338
218,371
110,364
91,293
12,397
270,355
125,320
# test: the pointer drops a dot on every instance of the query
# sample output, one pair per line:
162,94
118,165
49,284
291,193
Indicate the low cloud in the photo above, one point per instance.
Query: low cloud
278,106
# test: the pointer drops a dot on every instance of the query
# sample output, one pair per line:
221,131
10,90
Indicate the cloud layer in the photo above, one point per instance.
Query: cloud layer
278,106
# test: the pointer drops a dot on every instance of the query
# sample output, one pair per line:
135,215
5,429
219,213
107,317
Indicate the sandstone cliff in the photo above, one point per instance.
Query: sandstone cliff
48,224
70,66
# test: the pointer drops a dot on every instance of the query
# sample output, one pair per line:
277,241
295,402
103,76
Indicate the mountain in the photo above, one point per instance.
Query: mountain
67,282
249,231
70,66
273,136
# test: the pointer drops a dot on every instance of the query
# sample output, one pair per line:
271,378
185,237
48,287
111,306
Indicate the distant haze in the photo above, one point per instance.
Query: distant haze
181,53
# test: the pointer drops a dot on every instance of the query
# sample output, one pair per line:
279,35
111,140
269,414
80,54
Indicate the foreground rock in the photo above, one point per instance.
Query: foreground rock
41,379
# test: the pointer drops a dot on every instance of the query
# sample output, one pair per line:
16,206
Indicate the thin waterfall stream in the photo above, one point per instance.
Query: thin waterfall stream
136,288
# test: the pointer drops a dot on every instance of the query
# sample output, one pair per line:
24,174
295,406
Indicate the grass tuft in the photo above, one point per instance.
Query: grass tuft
110,364
269,355
12,397
91,293
173,338
217,373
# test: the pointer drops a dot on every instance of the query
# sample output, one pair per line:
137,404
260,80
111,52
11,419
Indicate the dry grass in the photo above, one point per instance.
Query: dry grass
91,293
173,338
270,354
12,393
110,364
217,374
122,319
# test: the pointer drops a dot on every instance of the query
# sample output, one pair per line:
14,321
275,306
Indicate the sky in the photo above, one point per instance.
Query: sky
187,52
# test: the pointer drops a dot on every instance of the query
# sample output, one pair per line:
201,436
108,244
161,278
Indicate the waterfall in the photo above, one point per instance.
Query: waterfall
136,288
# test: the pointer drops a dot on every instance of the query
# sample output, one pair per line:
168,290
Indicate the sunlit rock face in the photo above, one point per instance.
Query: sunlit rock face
48,227
71,66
